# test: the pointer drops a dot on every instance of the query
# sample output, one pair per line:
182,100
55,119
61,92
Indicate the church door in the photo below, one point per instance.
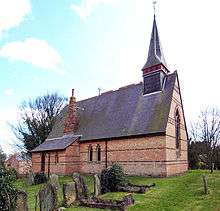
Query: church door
43,162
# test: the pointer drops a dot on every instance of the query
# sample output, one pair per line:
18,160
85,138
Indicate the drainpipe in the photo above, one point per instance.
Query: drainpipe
48,171
106,153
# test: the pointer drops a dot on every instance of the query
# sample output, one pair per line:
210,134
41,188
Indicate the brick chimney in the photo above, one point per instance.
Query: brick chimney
71,121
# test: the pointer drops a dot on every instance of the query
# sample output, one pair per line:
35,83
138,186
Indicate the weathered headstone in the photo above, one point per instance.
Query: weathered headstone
128,200
69,193
95,202
61,208
97,185
21,201
30,178
81,188
48,199
205,183
54,180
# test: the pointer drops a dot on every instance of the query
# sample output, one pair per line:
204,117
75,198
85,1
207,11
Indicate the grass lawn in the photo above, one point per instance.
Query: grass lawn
175,193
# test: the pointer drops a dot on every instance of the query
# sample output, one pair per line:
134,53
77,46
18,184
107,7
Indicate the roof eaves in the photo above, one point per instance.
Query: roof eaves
38,149
159,133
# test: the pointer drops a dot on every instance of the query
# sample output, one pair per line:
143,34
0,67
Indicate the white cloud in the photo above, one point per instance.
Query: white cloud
12,13
85,9
34,51
9,92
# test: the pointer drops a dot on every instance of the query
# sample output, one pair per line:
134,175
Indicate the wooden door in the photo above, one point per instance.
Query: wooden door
43,162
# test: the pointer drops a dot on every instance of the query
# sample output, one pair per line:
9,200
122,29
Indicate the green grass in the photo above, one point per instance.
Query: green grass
175,193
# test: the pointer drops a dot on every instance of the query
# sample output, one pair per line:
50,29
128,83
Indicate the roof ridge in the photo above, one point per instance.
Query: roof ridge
111,91
63,136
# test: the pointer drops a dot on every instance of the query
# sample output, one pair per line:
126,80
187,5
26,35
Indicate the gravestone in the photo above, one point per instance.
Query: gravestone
131,188
69,193
95,202
205,183
97,185
48,198
30,178
128,200
54,180
81,188
21,201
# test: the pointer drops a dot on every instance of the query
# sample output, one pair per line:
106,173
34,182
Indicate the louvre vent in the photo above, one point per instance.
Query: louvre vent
153,82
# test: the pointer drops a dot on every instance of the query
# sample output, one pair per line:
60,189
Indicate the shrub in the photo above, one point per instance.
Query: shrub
40,178
202,165
112,178
7,191
13,174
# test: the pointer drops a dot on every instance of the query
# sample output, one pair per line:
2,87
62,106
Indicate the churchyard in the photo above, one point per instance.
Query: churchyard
184,192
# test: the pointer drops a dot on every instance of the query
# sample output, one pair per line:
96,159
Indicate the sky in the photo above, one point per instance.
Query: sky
57,45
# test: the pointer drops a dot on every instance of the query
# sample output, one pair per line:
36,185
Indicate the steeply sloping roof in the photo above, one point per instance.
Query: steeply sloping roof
124,112
58,143
155,52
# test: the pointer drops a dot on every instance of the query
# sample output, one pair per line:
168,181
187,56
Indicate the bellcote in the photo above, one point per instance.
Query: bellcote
155,69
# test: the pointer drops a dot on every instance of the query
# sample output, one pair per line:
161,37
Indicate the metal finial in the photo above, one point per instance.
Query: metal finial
99,91
72,92
154,6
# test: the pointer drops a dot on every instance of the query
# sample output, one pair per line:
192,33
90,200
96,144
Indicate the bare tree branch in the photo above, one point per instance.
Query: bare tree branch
37,118
207,130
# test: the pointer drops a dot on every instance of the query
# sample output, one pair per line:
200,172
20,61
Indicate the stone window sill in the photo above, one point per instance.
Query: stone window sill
94,162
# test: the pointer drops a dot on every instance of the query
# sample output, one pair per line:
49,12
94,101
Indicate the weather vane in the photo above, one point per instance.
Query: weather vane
154,5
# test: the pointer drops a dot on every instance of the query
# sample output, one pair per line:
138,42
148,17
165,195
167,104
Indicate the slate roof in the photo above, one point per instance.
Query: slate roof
124,112
155,52
58,143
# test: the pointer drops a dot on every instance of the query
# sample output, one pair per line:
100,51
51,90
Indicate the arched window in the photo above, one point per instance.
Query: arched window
177,128
98,151
90,153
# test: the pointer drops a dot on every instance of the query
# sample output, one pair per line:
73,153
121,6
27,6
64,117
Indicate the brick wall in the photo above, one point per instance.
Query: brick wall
67,163
36,160
12,162
24,167
72,158
177,160
57,168
21,166
138,156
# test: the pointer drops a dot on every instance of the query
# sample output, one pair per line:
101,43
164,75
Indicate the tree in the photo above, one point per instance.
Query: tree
7,191
36,121
207,131
196,152
2,157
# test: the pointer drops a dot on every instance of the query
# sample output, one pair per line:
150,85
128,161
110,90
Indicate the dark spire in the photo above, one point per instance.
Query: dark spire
155,53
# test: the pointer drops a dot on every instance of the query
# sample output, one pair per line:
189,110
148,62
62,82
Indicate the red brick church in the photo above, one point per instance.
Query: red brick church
140,126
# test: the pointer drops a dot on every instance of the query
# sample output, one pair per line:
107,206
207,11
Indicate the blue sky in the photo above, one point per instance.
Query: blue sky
86,44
